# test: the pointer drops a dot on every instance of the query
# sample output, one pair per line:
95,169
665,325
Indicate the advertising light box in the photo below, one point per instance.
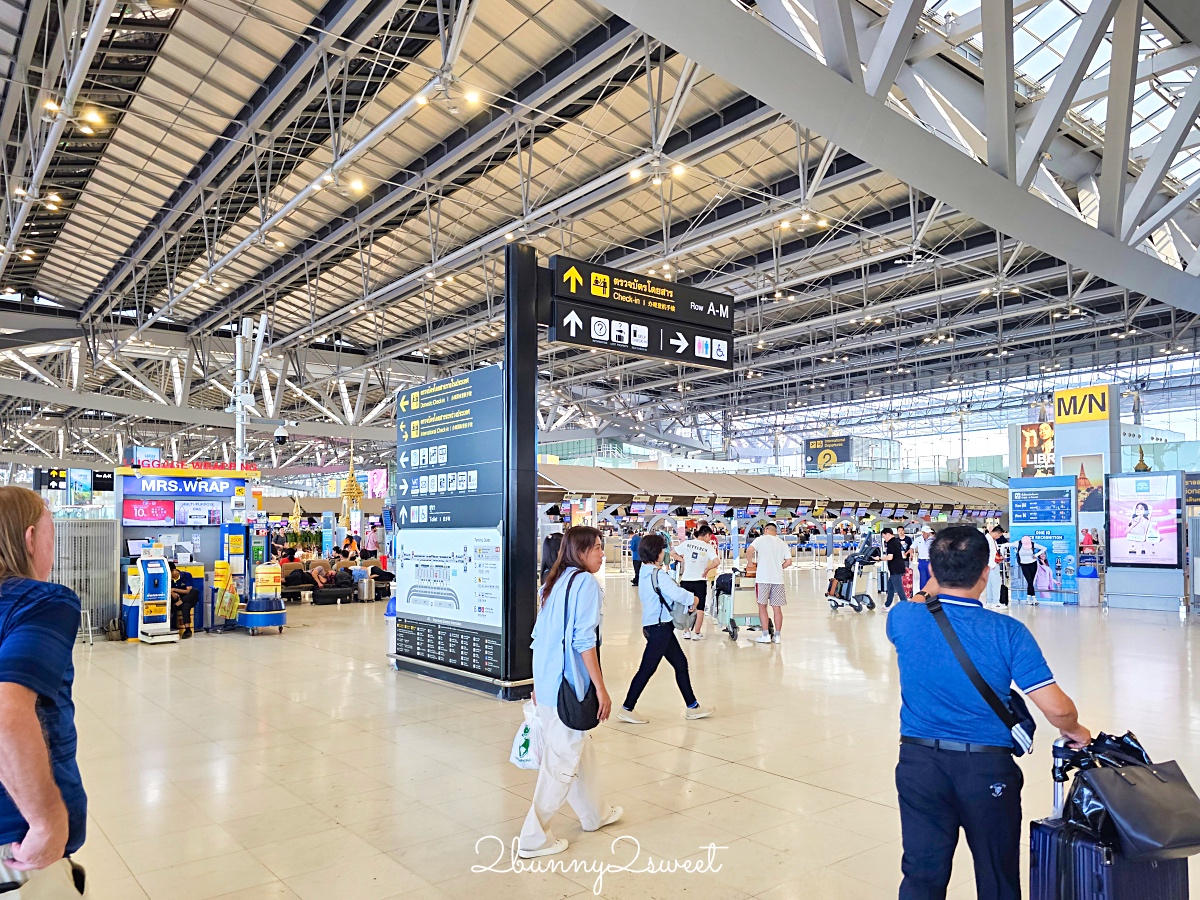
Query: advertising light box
1143,520
148,512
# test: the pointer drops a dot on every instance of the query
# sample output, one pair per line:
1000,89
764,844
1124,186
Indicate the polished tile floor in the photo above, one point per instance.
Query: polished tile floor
301,766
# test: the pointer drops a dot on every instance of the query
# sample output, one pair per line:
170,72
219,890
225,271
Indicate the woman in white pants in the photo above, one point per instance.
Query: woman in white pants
565,646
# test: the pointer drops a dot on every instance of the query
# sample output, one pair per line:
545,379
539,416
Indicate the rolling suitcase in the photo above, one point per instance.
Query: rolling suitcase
1066,863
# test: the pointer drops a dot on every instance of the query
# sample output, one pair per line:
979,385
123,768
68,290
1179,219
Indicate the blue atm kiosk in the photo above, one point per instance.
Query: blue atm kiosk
154,616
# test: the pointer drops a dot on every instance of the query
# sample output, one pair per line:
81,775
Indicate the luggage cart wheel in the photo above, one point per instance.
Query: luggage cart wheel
733,630
855,604
870,603
281,629
833,604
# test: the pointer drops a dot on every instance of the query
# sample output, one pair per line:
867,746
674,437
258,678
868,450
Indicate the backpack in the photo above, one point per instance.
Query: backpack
343,578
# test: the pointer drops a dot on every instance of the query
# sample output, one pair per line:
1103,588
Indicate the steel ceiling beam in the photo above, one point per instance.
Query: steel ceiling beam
742,49
337,17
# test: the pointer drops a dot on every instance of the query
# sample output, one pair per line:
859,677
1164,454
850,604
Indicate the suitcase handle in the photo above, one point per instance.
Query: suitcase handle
1063,755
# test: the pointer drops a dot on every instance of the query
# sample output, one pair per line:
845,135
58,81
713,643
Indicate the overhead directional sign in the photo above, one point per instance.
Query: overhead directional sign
599,328
644,295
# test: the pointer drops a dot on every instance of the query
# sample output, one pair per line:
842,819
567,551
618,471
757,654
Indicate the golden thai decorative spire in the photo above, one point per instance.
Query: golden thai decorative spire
352,493
1142,465
297,513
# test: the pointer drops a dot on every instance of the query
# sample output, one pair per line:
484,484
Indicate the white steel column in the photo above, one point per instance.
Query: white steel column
1127,32
998,86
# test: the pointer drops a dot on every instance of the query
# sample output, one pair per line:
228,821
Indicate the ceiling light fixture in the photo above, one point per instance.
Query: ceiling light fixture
678,169
471,96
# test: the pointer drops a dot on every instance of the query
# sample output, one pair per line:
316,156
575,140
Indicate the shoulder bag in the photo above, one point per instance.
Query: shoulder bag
581,715
1015,714
681,616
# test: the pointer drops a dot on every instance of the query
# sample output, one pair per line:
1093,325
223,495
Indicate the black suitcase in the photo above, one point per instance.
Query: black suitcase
330,596
1068,864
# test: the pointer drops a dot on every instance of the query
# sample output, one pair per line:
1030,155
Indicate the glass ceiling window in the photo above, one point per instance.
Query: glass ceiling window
1041,37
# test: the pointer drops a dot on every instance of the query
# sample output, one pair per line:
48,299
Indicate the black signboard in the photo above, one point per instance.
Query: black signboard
1041,505
103,481
450,556
591,326
825,453
1191,489
632,293
450,452
50,479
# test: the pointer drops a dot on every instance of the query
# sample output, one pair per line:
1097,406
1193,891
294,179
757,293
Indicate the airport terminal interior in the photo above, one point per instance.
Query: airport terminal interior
325,324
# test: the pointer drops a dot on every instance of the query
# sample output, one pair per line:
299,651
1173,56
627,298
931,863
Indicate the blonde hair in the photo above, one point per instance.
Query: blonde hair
20,508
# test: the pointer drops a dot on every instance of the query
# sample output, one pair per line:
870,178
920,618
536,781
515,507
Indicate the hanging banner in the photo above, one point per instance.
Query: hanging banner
825,453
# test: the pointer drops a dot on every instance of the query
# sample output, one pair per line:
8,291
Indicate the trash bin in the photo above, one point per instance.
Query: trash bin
1089,586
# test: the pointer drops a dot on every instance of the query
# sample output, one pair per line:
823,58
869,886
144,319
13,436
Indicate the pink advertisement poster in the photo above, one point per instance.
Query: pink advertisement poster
1143,520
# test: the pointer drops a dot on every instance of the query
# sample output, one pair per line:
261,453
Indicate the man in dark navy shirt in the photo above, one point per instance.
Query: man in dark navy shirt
43,808
956,768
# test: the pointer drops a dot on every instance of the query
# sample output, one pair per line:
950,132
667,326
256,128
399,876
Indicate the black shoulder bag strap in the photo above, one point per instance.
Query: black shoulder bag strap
662,602
934,605
567,611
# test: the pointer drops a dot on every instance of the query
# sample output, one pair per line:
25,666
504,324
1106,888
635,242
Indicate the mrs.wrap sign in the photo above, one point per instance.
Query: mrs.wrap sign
167,486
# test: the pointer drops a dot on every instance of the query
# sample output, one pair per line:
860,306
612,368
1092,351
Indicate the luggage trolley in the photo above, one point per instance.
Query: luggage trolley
736,603
852,583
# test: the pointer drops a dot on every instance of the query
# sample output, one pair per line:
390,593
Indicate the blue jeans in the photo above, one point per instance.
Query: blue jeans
895,587
923,571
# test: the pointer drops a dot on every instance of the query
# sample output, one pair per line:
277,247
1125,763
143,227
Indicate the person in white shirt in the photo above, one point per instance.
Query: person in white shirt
995,573
921,545
697,558
772,556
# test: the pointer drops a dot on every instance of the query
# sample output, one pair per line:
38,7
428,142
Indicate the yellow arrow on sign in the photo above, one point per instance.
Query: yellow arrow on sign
404,402
573,278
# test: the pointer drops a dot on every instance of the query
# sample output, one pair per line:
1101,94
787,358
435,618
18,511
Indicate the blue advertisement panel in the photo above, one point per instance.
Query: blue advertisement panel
1043,510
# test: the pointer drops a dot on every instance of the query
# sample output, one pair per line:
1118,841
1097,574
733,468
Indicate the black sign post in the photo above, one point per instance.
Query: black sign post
611,309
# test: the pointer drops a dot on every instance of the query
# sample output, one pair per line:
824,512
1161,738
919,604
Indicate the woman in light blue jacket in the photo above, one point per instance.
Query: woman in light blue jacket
565,645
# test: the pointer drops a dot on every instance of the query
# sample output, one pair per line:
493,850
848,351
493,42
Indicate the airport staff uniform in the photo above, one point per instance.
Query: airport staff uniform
956,768
569,772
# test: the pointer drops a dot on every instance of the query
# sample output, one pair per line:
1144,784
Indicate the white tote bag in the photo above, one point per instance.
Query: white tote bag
527,745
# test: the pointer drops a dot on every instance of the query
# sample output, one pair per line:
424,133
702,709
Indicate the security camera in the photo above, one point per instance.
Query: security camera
281,435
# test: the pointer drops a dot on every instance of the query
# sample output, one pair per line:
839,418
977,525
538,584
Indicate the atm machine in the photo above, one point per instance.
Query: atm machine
154,611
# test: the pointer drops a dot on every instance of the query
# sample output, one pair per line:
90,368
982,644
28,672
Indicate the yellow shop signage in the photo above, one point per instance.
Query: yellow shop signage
1087,404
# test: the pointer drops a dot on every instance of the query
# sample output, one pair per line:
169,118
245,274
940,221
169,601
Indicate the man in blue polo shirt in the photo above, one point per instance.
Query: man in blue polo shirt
956,768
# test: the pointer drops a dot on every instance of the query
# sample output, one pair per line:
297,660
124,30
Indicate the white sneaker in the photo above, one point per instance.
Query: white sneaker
697,636
763,638
687,635
775,638
549,850
700,712
629,717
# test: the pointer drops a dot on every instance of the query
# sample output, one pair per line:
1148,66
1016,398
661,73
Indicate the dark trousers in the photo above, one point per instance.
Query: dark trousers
1029,570
637,570
661,642
941,791
181,609
895,587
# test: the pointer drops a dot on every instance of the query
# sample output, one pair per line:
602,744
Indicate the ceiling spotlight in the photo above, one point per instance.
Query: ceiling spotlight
87,129
471,96
327,177
805,216
678,169
93,116
785,225
421,99
51,206
279,243
635,174
20,192
508,236
52,106
666,267
656,180
54,198
224,284
356,185
821,223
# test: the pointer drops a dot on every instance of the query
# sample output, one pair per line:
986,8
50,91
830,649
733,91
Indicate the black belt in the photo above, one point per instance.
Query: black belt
955,746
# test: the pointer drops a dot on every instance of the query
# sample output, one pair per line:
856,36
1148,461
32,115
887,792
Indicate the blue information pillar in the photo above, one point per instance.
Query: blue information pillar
1044,509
